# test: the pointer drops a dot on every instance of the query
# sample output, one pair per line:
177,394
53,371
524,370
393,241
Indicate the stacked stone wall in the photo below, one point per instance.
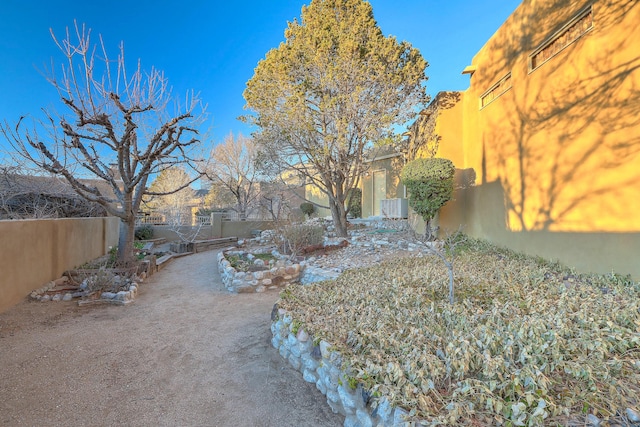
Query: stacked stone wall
273,276
322,366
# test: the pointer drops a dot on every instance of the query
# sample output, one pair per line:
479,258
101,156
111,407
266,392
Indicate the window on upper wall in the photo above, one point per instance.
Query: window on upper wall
503,85
569,33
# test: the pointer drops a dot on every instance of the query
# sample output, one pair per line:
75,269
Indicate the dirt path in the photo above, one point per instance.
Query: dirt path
186,353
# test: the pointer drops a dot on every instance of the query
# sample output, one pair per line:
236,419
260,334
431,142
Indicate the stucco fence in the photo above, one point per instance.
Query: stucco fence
216,229
33,252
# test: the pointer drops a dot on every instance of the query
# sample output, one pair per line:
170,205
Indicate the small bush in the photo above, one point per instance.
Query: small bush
144,232
307,208
430,185
298,237
355,202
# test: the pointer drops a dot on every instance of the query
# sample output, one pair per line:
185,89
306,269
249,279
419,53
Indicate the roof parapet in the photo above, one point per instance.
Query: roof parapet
470,69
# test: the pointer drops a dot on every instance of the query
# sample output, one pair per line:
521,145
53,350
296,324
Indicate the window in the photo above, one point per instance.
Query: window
503,85
572,31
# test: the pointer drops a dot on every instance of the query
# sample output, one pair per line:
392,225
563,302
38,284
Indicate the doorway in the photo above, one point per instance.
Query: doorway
379,190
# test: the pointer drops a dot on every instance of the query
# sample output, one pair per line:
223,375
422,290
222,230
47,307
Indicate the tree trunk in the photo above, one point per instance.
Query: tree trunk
428,232
125,241
339,216
127,231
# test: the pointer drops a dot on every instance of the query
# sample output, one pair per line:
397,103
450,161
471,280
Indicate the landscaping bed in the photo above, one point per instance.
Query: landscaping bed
526,343
245,272
102,279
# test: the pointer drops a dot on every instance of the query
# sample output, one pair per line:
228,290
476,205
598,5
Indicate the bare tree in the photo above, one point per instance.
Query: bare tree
233,167
278,198
119,128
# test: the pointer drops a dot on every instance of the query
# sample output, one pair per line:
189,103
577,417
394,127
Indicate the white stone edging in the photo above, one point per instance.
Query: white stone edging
322,366
282,273
118,298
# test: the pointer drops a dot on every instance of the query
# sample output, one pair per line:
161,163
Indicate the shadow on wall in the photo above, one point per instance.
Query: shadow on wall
564,143
482,211
456,213
424,139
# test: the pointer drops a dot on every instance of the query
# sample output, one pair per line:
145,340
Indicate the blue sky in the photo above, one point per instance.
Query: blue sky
213,46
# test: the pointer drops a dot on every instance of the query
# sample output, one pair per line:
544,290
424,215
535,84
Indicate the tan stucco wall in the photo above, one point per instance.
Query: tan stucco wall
241,229
166,232
314,195
556,156
564,140
34,252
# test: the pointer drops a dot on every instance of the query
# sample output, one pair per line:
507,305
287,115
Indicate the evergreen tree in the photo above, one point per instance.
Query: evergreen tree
333,88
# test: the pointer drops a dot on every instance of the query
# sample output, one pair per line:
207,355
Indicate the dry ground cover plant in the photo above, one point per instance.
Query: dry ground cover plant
526,343
244,262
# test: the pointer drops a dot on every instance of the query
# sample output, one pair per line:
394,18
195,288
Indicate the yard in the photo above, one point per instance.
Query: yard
528,342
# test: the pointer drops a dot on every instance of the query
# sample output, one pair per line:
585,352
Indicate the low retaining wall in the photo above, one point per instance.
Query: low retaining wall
322,366
280,274
49,293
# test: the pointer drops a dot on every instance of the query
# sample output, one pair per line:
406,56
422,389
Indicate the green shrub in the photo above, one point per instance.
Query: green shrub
113,256
429,183
144,232
307,209
355,202
297,237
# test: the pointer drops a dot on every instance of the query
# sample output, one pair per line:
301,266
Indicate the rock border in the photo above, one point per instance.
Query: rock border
322,366
119,298
282,273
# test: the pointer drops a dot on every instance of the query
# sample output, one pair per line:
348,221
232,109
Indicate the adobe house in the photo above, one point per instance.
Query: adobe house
546,138
383,195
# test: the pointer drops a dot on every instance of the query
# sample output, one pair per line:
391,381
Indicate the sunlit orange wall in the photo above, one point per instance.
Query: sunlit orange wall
564,141
450,131
557,154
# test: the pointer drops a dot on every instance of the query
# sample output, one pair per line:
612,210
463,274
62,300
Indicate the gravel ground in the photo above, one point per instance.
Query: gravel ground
185,353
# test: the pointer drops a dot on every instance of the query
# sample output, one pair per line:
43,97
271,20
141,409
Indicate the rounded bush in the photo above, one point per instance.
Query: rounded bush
307,208
429,183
